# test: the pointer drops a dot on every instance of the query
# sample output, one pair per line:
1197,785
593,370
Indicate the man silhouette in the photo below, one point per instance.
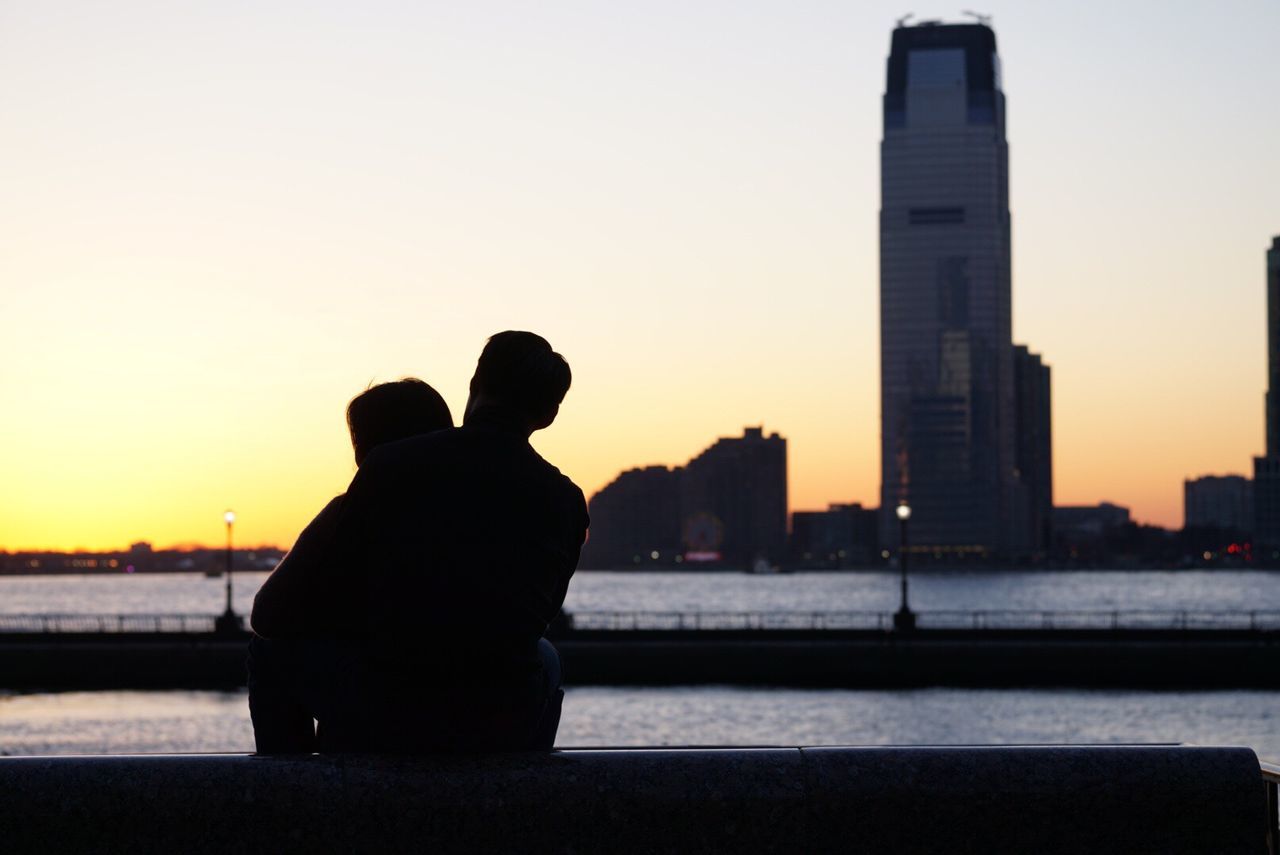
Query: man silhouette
457,548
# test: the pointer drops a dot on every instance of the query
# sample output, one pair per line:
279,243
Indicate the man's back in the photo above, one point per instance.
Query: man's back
466,540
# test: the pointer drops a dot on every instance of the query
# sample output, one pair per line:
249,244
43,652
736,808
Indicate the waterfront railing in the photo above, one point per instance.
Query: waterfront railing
104,623
622,621
941,619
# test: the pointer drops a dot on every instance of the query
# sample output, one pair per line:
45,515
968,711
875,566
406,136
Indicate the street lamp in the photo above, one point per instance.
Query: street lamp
904,618
229,621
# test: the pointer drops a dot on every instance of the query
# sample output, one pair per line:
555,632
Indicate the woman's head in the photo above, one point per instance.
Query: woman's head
393,411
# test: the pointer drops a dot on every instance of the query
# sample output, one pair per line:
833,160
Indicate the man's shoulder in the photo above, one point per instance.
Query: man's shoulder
455,452
568,493
552,472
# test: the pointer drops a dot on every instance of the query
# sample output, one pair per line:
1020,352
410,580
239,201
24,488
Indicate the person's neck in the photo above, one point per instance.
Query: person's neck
500,418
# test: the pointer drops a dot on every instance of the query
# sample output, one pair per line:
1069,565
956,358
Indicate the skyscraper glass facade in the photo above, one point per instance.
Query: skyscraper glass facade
947,390
1266,469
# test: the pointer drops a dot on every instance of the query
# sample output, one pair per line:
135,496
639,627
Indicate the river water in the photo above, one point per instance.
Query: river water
117,722
966,590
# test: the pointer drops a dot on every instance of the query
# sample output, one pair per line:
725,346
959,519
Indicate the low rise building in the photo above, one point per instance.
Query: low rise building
844,535
1223,502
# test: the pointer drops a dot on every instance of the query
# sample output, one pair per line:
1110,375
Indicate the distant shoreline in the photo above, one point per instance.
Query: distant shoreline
933,570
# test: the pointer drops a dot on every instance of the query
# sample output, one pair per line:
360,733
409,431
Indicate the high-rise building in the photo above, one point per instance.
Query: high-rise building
635,520
733,500
1033,444
1218,501
1266,469
946,356
1273,348
727,507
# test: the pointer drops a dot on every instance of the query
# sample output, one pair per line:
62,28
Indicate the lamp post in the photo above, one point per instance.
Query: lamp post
903,619
229,621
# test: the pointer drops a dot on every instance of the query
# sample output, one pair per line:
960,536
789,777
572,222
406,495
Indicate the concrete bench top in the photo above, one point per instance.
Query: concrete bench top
1043,799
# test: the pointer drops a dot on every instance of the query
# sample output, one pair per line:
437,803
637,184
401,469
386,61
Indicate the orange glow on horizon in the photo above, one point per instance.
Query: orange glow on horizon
203,260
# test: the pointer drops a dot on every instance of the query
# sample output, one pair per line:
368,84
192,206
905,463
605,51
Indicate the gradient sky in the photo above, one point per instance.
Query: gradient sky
220,221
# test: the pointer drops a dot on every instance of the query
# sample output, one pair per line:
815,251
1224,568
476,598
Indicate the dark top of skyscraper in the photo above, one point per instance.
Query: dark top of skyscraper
981,68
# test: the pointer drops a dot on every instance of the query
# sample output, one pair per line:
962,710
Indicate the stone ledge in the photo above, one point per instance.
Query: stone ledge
1045,799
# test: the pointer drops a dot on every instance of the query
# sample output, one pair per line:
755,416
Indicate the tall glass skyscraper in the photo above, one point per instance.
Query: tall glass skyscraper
946,354
1266,469
1273,349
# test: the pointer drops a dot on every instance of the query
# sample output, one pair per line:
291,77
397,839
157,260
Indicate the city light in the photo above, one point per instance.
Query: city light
904,620
229,621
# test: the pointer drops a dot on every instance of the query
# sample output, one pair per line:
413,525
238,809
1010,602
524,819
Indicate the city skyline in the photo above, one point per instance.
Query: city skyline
222,225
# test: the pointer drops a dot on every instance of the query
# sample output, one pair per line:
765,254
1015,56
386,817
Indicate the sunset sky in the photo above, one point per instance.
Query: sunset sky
220,221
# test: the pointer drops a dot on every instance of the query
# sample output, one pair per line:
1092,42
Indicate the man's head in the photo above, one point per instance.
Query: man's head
393,411
519,372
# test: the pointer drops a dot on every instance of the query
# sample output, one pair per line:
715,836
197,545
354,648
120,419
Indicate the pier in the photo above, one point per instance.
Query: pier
1118,649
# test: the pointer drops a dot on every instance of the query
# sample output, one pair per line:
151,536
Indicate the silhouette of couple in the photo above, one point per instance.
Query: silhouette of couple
409,615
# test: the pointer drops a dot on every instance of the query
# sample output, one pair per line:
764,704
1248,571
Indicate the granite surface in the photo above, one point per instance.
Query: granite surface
1047,799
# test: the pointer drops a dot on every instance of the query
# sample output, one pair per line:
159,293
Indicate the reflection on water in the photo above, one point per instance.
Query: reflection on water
205,721
152,722
725,716
1102,590
124,723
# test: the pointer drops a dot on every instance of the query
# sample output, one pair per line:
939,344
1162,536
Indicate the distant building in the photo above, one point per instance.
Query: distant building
1266,469
1266,508
1088,521
840,536
1033,447
733,501
1221,502
727,507
948,391
635,520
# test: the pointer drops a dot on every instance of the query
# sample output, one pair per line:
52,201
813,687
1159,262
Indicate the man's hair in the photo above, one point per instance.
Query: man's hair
520,370
393,411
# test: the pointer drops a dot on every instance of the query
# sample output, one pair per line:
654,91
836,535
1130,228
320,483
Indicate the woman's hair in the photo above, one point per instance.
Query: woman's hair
393,411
